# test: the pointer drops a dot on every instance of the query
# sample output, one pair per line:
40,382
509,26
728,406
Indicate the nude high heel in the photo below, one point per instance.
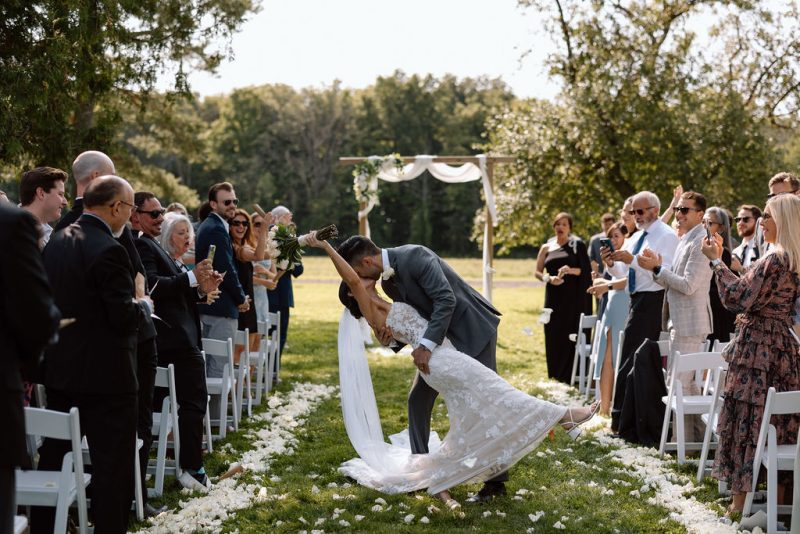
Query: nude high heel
574,430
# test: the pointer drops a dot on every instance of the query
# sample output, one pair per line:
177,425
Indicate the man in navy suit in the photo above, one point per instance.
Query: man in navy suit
220,319
282,297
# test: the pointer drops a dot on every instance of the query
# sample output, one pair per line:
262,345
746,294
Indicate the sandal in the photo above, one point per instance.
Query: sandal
572,427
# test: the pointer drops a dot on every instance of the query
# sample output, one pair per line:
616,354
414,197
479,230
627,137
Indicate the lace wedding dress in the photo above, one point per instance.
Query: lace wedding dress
492,424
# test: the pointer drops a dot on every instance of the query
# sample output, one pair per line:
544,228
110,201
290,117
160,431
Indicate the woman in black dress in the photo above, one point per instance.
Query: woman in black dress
247,248
719,222
563,264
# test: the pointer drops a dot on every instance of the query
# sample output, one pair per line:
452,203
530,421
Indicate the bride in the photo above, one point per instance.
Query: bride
492,424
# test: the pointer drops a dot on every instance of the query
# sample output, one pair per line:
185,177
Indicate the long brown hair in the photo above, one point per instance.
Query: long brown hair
249,237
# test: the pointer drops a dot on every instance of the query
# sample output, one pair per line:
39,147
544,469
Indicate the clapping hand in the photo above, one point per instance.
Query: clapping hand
712,249
649,259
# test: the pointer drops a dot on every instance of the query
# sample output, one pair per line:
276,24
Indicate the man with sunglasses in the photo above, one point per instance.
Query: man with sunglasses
647,296
746,222
220,319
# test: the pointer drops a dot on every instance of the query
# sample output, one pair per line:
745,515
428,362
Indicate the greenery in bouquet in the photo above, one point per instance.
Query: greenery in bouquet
364,185
286,249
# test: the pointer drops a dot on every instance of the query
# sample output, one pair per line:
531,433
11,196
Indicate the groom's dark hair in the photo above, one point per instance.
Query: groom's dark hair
356,247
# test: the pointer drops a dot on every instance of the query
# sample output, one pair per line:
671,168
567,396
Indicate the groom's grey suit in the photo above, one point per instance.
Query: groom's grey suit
453,309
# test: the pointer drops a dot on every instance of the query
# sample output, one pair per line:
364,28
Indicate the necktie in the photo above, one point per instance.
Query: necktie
631,272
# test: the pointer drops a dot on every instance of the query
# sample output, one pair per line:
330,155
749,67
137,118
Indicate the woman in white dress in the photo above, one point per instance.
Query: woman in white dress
492,424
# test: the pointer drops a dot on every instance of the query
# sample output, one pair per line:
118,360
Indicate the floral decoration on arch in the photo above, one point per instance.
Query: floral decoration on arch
365,183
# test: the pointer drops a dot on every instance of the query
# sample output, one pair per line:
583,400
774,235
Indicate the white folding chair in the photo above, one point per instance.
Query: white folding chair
719,346
665,351
593,357
138,499
243,379
711,419
681,405
56,488
20,524
261,360
582,349
772,456
208,439
165,423
617,364
223,387
275,345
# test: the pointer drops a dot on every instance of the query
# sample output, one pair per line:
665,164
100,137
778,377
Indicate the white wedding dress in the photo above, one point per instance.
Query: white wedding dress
492,424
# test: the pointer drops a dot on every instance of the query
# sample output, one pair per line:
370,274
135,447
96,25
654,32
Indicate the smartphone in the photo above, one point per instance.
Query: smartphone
212,249
606,242
708,231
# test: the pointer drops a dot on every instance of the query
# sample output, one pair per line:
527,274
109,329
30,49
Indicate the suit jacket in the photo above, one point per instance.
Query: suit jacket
282,296
687,283
147,329
91,277
174,298
28,320
212,232
452,307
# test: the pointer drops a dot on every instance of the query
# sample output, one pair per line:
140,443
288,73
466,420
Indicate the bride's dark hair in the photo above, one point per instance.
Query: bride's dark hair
349,301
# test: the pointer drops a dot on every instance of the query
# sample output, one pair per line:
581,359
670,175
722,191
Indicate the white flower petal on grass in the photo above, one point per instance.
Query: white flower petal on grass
536,517
487,513
409,518
522,491
359,517
558,525
432,509
380,501
302,520
344,523
377,508
518,498
424,519
333,485
319,521
540,454
498,513
314,489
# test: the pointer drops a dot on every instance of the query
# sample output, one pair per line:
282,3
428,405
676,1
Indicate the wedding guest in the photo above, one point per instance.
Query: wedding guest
563,265
783,182
28,321
746,221
264,272
686,283
220,319
611,324
669,213
763,353
281,299
647,296
93,367
626,216
248,247
41,192
176,293
177,207
723,325
86,167
598,267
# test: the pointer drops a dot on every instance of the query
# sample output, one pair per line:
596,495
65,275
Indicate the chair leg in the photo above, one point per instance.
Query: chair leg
748,503
665,426
137,487
701,467
223,414
772,483
209,435
679,423
161,456
259,380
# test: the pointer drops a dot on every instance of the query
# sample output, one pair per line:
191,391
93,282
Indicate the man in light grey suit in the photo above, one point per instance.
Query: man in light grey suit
417,276
687,283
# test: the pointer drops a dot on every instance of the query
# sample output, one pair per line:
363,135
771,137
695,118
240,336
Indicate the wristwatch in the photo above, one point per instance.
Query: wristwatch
716,264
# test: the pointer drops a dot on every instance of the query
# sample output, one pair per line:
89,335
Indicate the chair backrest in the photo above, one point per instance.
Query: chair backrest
242,337
163,376
663,336
663,347
586,321
719,346
263,326
698,361
215,347
785,402
51,424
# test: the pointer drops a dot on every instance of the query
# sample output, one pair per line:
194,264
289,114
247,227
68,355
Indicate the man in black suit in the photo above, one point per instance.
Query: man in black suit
176,293
86,167
28,320
93,366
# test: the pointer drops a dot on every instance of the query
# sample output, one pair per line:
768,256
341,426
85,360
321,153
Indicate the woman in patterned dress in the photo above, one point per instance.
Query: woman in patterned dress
764,352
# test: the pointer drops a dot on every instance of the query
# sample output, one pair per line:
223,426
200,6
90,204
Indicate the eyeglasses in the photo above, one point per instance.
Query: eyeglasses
685,209
122,202
154,214
709,222
257,224
228,202
742,219
240,223
773,195
640,211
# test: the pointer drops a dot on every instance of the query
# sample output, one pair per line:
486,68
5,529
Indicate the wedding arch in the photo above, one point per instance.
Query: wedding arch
396,168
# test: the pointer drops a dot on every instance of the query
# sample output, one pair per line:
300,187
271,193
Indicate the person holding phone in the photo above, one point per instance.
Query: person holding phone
563,264
613,320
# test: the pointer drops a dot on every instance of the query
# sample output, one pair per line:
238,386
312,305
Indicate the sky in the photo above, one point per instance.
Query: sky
311,43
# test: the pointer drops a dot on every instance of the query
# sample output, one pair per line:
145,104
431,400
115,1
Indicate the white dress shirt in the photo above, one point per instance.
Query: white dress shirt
662,240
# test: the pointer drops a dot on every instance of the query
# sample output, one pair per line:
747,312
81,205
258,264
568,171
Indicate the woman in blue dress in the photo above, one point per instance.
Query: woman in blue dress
612,323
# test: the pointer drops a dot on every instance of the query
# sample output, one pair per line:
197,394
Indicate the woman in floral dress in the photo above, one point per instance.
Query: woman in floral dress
764,352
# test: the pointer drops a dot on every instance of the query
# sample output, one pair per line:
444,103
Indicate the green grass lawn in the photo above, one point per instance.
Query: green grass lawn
564,478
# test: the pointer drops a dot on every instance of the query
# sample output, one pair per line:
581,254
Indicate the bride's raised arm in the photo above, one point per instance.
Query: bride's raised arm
349,276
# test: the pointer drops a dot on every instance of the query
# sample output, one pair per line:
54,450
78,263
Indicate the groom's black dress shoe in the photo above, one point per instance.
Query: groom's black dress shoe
488,492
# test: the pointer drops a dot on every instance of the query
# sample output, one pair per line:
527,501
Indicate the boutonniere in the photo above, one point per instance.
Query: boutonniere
387,273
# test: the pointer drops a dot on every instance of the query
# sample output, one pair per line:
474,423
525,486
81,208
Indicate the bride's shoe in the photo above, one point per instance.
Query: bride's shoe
572,427
448,500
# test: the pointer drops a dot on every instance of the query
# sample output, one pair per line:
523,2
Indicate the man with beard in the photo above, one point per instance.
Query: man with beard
746,220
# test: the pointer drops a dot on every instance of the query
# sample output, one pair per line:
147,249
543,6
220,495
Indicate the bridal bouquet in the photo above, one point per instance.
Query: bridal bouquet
286,249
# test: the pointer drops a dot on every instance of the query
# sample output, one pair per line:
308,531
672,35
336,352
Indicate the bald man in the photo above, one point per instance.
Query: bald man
93,366
86,167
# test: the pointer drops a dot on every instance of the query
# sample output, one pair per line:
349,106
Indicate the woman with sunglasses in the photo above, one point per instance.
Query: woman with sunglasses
718,222
265,274
764,352
248,246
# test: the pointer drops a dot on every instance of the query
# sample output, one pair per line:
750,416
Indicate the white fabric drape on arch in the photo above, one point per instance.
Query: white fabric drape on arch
468,172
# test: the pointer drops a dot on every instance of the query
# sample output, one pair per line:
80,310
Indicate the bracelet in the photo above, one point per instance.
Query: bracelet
546,278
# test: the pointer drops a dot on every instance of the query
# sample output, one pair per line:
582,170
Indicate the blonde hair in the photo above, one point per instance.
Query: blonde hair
785,211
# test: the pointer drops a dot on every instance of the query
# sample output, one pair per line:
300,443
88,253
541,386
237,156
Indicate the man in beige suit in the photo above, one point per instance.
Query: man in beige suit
687,283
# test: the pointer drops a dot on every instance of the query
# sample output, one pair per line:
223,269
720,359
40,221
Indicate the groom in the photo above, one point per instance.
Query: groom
415,275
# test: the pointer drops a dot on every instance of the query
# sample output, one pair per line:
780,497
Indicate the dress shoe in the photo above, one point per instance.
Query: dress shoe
487,493
189,481
152,511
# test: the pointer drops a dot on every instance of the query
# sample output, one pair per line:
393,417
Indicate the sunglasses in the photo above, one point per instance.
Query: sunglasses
234,201
640,211
257,224
773,195
154,214
685,209
742,219
766,216
240,223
